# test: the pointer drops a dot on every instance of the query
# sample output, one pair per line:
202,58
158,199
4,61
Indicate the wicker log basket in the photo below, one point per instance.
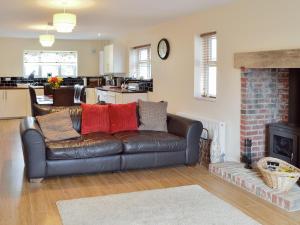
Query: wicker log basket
280,175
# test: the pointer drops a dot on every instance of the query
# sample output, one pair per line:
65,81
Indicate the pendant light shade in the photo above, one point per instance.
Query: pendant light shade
64,22
47,40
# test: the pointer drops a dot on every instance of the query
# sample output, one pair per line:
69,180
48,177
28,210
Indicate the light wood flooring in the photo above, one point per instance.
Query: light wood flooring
22,202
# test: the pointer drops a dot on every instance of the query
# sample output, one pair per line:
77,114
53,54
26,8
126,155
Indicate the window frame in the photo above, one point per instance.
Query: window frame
202,66
135,61
59,64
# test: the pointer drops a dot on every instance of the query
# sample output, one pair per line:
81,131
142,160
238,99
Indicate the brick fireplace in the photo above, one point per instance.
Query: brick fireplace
264,100
270,104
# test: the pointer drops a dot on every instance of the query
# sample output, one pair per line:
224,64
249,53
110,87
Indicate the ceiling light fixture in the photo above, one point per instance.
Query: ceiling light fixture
47,40
64,22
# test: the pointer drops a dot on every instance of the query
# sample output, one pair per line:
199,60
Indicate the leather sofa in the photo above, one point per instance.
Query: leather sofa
100,152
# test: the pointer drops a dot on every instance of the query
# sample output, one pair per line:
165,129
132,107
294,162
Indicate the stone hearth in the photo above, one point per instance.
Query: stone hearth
251,181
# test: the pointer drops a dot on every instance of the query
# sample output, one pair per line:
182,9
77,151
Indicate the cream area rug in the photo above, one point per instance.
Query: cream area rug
186,205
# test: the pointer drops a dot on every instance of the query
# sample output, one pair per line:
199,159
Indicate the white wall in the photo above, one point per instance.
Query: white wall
246,25
11,54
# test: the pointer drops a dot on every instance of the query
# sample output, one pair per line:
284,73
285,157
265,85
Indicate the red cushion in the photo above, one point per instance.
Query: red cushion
122,117
95,118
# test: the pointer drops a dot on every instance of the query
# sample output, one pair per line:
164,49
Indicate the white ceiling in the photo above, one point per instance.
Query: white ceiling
111,18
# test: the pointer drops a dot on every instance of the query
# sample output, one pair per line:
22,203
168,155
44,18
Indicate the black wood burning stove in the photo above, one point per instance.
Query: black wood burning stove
284,137
283,143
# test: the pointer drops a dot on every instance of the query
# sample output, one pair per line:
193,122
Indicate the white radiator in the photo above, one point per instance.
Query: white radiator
216,130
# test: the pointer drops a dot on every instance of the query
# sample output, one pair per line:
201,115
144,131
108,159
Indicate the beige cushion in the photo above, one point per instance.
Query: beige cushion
57,126
153,116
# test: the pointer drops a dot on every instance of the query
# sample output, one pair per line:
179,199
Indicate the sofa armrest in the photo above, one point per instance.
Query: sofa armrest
189,129
34,148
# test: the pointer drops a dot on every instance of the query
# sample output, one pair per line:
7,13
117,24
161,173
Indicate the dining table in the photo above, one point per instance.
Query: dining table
44,99
48,100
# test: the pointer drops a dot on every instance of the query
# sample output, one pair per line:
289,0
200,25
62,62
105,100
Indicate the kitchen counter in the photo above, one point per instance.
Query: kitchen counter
11,87
119,90
19,87
116,95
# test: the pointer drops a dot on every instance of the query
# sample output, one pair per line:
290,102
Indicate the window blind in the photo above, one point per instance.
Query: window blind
57,63
208,65
140,62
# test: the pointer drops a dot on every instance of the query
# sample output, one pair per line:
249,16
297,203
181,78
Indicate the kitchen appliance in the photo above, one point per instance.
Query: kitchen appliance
108,80
117,81
133,86
84,81
95,81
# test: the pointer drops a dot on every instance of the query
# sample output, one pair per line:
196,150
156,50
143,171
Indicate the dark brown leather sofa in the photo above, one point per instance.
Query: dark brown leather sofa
100,152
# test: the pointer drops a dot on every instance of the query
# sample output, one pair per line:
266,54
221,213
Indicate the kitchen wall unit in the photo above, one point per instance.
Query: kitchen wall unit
109,58
113,59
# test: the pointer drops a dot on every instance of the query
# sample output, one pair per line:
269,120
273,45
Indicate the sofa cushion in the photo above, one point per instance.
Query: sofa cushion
88,146
150,141
75,113
95,118
123,117
57,126
153,116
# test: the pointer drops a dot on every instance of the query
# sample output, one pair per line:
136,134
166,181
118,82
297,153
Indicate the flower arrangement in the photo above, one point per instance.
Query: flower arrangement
55,82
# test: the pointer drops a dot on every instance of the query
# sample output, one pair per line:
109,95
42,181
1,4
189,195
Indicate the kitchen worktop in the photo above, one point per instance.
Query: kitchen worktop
119,90
19,87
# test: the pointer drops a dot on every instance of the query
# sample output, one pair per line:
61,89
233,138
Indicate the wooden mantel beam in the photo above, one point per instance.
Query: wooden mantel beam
268,59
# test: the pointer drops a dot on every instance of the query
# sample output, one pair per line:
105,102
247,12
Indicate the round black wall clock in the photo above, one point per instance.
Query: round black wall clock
163,49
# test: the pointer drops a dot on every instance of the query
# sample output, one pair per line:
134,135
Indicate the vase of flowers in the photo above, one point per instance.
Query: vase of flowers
55,82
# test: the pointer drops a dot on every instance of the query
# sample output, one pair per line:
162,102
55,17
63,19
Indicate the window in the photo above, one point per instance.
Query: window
140,62
206,66
56,63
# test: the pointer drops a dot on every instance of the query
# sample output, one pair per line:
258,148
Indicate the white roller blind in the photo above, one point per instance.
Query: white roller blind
208,65
57,63
140,62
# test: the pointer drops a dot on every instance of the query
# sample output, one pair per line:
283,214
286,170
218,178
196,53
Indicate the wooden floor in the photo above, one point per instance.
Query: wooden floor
22,202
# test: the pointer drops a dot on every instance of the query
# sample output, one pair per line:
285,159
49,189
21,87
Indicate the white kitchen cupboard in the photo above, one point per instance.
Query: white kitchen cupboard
14,103
113,59
120,98
108,59
91,95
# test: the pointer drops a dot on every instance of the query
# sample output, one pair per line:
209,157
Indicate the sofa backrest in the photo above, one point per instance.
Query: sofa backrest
75,113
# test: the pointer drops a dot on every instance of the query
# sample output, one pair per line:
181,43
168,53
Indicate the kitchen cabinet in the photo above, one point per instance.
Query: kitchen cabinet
14,103
120,98
108,59
113,59
91,95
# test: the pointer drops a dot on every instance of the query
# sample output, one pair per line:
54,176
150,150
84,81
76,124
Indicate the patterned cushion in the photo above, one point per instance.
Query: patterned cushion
75,113
153,116
57,126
